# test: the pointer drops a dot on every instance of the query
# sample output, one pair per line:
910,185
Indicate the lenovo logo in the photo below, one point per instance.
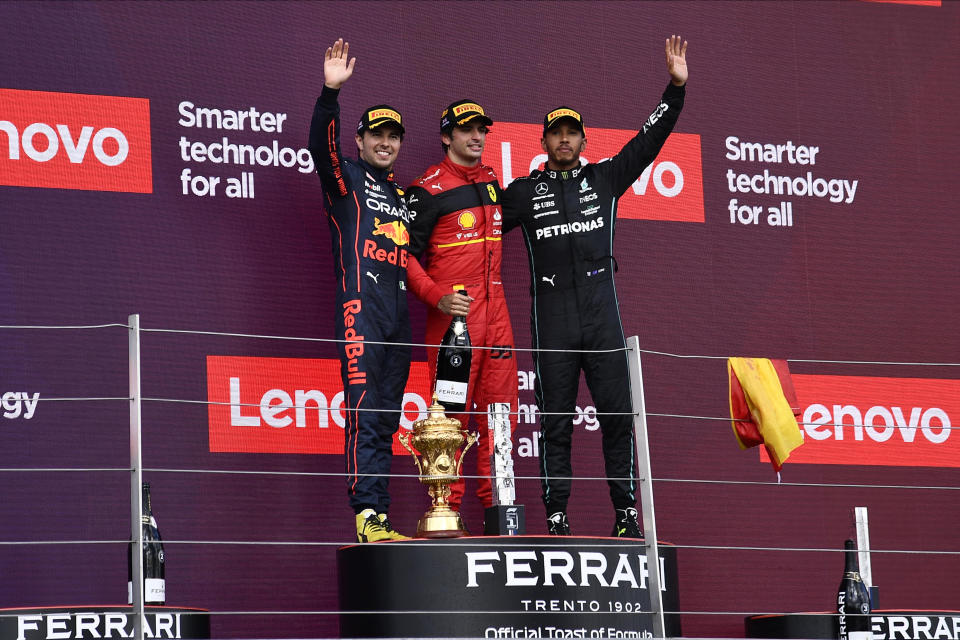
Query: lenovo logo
878,421
289,405
75,141
671,188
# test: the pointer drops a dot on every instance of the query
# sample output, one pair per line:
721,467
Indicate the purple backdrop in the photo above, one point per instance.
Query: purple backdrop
872,279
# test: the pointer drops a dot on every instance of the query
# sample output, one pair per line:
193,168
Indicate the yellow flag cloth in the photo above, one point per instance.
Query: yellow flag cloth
769,408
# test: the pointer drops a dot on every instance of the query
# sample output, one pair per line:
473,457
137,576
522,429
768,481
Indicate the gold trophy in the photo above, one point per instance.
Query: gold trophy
436,439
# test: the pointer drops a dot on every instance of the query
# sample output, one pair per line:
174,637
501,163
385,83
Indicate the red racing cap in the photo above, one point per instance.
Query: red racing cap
460,113
379,115
553,118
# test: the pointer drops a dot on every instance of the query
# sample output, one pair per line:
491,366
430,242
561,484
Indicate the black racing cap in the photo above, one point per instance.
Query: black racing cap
460,113
378,116
553,118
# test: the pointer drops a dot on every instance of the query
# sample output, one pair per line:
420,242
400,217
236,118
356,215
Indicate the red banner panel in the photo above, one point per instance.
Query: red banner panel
669,189
902,422
289,405
75,141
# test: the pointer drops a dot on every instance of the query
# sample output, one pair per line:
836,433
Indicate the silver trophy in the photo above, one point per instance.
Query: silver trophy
504,518
501,458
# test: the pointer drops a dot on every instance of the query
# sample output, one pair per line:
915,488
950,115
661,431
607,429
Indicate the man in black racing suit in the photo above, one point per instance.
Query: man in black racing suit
368,219
567,213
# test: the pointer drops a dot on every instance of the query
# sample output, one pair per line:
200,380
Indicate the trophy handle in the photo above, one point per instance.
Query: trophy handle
471,439
403,437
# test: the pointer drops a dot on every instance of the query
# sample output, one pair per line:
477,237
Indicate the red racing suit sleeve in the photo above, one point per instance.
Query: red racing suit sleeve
423,217
423,285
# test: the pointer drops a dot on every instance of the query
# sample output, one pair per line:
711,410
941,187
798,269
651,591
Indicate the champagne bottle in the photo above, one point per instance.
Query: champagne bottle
453,365
853,600
154,581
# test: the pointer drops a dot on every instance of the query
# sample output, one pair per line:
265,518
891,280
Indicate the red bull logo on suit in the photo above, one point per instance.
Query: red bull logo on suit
396,231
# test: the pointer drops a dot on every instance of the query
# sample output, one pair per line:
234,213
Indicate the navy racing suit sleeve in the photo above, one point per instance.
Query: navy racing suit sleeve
324,143
625,167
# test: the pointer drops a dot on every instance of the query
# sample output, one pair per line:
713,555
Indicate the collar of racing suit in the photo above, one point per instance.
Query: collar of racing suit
379,174
469,174
563,175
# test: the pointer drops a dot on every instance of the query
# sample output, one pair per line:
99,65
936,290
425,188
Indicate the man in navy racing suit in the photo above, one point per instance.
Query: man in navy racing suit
368,228
567,213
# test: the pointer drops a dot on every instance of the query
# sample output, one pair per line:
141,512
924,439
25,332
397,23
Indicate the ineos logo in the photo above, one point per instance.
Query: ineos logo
76,148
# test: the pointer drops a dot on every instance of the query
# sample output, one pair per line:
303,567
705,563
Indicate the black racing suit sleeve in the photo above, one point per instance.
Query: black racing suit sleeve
324,143
513,202
424,212
625,167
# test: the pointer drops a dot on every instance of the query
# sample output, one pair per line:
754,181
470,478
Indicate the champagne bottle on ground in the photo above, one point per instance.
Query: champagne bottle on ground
453,365
154,581
853,600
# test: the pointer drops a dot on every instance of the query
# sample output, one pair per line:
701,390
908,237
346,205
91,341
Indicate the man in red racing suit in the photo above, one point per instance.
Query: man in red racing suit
455,233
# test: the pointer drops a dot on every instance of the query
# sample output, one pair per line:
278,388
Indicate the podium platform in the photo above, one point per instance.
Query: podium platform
102,621
885,623
502,587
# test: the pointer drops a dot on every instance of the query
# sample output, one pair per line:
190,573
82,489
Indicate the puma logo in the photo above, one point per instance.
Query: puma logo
374,277
550,280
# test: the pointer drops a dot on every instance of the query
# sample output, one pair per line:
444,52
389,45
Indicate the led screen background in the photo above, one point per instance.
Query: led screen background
870,279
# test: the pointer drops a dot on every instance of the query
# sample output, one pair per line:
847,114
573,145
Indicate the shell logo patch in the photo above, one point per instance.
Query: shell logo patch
467,220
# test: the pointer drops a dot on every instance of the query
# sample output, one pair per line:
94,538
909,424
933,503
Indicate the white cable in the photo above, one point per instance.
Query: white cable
85,326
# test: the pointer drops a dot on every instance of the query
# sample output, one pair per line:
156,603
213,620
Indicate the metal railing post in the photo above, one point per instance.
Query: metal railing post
645,482
136,476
